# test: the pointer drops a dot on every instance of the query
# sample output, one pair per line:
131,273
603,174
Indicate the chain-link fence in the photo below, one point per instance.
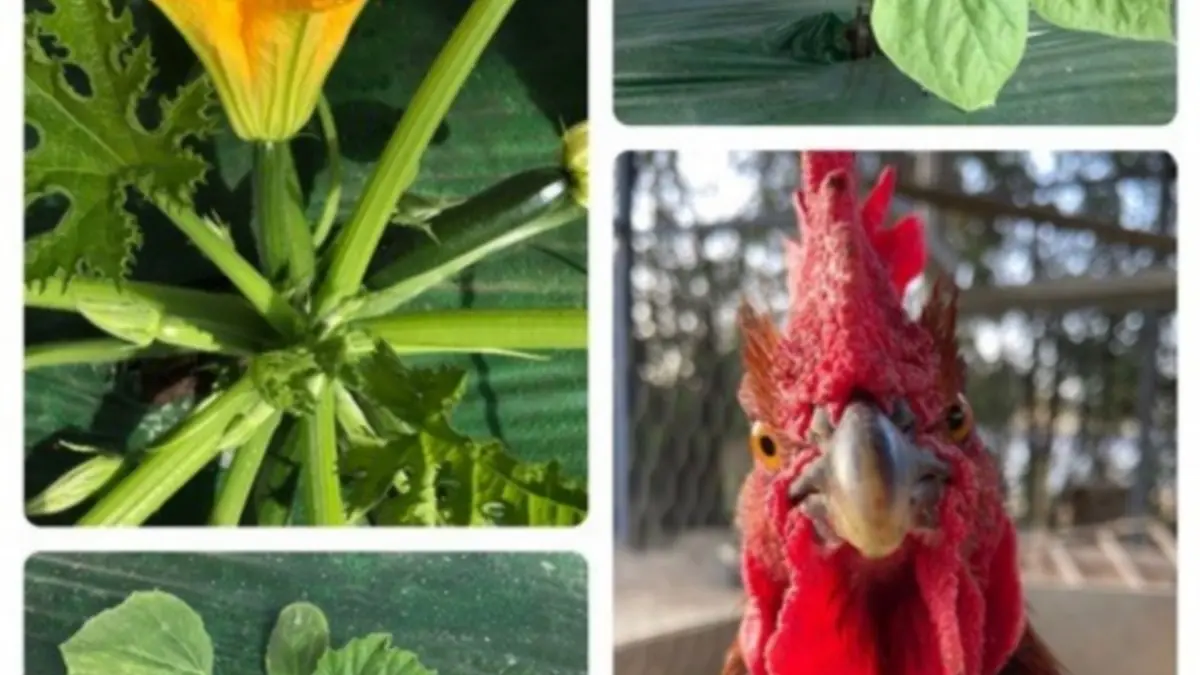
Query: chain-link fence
1067,268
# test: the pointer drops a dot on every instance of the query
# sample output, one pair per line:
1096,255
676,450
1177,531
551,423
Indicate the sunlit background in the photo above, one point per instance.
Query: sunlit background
1066,263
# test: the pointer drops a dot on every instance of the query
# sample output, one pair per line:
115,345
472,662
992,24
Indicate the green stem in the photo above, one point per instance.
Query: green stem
334,198
397,168
285,244
217,246
98,350
171,463
183,317
239,480
504,329
321,489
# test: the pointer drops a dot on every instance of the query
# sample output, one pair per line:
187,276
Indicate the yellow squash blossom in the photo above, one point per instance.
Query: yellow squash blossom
268,58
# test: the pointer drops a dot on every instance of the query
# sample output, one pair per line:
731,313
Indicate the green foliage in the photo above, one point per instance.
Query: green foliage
150,633
370,655
1132,19
92,147
156,633
298,392
423,471
965,51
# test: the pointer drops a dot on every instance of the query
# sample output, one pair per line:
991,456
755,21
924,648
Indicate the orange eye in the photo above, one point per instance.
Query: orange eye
960,421
764,447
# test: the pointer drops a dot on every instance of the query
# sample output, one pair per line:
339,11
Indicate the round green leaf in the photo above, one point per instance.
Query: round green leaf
1134,19
151,633
963,51
300,638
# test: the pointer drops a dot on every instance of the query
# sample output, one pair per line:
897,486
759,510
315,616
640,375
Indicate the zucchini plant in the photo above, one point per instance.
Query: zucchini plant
315,412
964,51
158,628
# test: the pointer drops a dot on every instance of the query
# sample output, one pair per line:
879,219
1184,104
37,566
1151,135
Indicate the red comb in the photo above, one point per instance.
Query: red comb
901,248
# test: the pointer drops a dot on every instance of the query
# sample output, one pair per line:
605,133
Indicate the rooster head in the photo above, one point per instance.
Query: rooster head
875,539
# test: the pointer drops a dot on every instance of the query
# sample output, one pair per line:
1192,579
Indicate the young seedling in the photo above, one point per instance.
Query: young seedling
154,627
314,413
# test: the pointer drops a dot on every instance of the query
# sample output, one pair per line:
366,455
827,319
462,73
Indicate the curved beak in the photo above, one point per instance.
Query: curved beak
878,484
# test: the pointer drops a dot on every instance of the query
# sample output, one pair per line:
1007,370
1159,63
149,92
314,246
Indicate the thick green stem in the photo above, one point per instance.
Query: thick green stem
484,329
217,246
98,350
239,480
397,168
320,485
333,200
210,322
285,244
171,463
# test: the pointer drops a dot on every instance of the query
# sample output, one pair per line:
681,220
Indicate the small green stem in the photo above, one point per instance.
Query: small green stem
76,352
285,244
334,199
397,168
321,488
239,480
218,247
506,329
171,463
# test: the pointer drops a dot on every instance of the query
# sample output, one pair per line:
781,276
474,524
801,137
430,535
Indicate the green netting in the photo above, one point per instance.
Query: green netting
723,62
462,614
530,84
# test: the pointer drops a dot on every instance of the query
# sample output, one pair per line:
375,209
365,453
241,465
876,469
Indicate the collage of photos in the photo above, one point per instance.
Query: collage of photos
316,301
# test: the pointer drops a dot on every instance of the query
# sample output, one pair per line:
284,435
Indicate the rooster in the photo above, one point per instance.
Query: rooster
874,537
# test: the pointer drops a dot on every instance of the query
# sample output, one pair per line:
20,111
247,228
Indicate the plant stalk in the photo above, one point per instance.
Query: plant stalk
171,463
285,244
98,350
397,168
218,247
199,320
486,329
333,200
239,481
320,484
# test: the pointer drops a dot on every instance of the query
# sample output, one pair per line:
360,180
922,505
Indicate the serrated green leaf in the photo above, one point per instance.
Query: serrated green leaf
963,51
151,633
371,655
91,147
75,486
413,396
489,487
298,641
1132,19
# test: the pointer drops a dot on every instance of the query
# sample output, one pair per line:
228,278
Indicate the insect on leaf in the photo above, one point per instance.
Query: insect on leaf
84,78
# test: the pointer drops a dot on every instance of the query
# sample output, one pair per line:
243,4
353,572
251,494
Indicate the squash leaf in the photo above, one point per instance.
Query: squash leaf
151,633
428,473
371,655
85,78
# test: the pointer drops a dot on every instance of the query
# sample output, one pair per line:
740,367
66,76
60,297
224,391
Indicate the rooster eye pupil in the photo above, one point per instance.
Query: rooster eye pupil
955,418
767,446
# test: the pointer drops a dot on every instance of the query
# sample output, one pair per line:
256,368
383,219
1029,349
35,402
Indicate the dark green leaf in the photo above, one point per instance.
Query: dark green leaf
91,147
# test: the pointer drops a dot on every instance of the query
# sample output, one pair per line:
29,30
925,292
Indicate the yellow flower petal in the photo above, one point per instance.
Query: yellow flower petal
268,58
